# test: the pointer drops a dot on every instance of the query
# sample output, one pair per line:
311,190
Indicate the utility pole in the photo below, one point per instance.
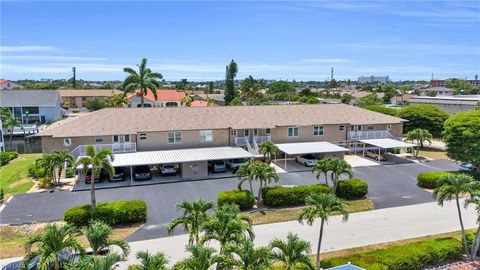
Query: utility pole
74,70
331,74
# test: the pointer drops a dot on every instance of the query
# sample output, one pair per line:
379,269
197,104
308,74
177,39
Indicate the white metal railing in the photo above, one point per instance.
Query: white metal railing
24,129
241,141
116,148
249,147
372,134
261,139
256,150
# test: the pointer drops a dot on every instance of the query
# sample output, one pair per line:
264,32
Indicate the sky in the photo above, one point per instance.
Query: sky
407,40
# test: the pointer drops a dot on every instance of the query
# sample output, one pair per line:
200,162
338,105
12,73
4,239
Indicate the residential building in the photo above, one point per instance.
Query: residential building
76,98
32,106
2,141
452,104
165,98
373,79
443,83
401,99
437,91
8,85
218,98
200,103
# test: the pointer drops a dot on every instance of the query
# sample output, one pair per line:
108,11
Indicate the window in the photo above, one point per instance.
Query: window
356,128
268,131
292,131
246,132
389,127
370,127
255,132
341,127
174,137
98,140
143,136
126,138
317,130
206,136
115,139
30,110
233,132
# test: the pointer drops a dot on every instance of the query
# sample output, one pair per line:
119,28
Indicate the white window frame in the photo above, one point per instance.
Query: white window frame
341,128
206,135
233,132
125,138
142,136
293,132
175,135
268,131
118,139
317,129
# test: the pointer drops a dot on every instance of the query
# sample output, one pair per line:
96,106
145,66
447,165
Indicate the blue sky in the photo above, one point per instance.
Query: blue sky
271,40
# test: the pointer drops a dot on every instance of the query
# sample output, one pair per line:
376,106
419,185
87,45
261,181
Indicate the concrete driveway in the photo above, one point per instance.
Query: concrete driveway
389,185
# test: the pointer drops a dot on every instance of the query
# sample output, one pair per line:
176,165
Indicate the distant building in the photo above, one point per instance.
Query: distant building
199,103
439,91
452,104
219,98
443,83
165,98
73,99
373,79
8,85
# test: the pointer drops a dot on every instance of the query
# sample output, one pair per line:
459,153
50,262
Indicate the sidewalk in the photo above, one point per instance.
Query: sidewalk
362,229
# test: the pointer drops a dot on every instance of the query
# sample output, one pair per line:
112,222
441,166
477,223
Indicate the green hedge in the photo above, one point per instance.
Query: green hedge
411,256
70,172
291,196
116,212
6,157
352,189
243,198
430,179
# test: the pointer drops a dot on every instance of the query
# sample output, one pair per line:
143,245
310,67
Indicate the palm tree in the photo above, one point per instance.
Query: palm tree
247,257
108,262
63,160
201,258
339,167
99,161
323,165
321,206
143,80
249,89
268,150
51,245
419,136
210,101
264,174
246,173
292,253
117,100
148,261
49,163
227,226
99,234
187,100
194,217
450,188
475,200
11,122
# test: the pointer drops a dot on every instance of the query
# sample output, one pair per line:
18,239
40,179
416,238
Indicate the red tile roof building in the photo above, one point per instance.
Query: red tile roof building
165,98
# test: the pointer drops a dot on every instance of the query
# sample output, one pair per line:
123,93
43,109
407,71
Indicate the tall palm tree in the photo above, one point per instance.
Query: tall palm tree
268,150
10,123
99,234
148,261
227,226
247,257
49,163
324,166
475,200
108,262
245,173
321,206
249,90
264,174
194,217
51,245
339,167
63,160
143,80
201,258
292,253
99,161
451,187
419,137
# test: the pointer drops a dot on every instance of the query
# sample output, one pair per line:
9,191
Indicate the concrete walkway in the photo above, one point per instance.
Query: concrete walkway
362,229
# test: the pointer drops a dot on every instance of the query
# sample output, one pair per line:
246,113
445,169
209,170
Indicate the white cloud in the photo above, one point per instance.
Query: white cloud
28,48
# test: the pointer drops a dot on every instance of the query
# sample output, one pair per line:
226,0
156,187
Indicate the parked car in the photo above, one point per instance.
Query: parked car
467,167
166,169
307,160
142,173
234,164
65,256
375,155
88,177
217,166
118,175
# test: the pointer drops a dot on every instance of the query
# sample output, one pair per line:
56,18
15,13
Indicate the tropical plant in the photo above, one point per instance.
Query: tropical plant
450,187
227,226
419,137
117,100
148,261
9,123
268,150
187,100
249,90
339,167
53,246
292,253
194,217
264,174
245,173
48,163
475,200
230,74
424,116
143,80
210,101
99,234
99,161
201,258
321,206
323,166
247,257
108,262
63,160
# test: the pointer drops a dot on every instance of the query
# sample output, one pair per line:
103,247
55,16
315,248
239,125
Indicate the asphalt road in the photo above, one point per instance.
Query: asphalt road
389,186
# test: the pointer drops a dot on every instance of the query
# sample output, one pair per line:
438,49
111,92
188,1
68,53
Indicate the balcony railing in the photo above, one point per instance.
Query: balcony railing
116,148
260,139
372,134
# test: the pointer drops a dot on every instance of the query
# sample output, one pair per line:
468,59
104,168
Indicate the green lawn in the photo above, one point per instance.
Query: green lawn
14,176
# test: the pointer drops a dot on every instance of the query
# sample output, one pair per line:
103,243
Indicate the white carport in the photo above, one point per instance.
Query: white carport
309,148
385,144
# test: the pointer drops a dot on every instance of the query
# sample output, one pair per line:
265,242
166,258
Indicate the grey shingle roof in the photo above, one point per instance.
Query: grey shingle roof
27,98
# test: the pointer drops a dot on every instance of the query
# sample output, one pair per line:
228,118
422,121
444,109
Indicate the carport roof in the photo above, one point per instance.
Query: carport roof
179,156
310,148
387,143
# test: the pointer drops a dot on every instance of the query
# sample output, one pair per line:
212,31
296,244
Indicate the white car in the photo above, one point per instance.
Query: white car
234,164
307,160
467,167
168,169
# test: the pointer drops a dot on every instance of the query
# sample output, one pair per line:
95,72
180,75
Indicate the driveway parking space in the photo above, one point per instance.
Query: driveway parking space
358,161
292,165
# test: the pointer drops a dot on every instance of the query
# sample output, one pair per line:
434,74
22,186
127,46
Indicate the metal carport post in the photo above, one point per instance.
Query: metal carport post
131,175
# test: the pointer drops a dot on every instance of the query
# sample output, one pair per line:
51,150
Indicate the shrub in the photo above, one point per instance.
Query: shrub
290,196
430,179
112,213
352,189
70,172
424,116
411,256
36,171
382,109
44,182
243,198
6,157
